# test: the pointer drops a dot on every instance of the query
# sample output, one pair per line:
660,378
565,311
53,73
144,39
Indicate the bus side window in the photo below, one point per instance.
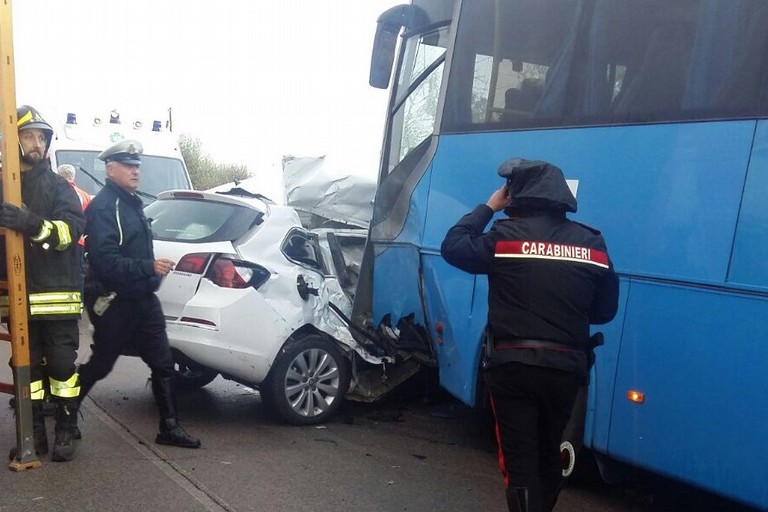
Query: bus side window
520,104
653,88
746,90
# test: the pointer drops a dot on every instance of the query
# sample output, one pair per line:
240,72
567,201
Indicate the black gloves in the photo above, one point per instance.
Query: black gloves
20,219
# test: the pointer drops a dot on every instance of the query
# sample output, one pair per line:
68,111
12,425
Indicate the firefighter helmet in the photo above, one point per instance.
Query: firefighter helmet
28,118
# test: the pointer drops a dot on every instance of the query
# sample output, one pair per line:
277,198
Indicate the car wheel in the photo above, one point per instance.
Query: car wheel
191,375
308,381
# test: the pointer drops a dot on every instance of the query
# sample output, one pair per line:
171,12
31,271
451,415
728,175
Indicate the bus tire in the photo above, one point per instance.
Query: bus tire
573,435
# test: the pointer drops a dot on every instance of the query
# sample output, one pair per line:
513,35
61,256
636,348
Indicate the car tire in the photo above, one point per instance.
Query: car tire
191,375
308,381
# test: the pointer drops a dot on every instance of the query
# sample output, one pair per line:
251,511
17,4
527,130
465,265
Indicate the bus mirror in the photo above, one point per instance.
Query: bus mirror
384,45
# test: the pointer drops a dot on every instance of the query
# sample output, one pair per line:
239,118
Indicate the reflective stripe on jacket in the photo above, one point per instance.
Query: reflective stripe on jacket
52,256
119,244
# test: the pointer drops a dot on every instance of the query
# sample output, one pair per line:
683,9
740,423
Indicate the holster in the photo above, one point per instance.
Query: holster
91,285
593,342
488,348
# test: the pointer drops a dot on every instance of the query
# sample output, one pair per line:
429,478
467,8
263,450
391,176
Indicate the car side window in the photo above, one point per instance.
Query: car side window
302,248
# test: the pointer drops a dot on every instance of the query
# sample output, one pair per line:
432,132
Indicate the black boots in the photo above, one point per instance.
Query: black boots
171,432
521,499
39,433
66,423
550,493
66,418
38,427
531,499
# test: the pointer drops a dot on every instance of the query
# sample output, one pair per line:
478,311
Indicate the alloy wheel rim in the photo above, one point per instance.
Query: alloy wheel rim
312,382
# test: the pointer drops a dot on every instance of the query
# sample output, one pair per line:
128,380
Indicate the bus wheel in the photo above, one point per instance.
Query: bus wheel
567,458
573,435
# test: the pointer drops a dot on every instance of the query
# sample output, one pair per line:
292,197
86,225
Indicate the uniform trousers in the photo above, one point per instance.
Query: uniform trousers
532,406
53,348
128,324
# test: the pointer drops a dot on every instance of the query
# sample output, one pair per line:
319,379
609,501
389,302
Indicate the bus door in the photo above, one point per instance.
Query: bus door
390,292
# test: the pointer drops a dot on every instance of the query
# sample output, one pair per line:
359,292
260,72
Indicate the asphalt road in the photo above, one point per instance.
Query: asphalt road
415,451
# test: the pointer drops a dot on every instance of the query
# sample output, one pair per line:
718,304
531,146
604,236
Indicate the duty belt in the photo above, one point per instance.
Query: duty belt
519,343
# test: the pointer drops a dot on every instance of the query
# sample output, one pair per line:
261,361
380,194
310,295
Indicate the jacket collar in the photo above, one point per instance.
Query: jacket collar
131,197
40,167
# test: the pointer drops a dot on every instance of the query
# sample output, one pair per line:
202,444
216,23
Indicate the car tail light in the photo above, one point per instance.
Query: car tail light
224,270
194,263
226,274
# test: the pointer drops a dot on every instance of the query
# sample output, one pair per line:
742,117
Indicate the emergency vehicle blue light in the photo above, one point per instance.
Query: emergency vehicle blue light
156,126
71,118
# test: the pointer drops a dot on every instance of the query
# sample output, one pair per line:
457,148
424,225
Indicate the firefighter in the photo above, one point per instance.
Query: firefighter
549,278
51,221
120,288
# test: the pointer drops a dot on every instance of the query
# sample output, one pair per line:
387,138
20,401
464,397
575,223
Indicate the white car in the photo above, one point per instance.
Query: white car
256,298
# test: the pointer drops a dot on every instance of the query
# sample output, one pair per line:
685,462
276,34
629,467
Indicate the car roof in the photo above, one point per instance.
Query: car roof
238,197
243,199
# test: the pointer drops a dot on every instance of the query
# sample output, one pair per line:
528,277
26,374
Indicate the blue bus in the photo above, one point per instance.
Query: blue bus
657,112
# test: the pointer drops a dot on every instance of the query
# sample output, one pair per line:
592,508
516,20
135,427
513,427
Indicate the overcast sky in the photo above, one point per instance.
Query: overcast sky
253,80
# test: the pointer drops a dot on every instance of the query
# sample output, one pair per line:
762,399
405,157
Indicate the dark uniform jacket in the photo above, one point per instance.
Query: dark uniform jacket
119,245
549,278
53,257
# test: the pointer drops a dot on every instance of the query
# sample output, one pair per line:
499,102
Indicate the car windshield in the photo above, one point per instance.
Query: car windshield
200,221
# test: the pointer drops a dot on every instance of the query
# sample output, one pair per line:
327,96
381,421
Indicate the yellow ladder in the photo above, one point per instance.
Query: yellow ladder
14,246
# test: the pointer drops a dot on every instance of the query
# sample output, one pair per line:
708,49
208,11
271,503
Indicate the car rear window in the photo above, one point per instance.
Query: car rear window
196,220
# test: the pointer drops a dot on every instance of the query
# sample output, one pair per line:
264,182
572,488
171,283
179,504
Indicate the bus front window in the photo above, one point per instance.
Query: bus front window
417,93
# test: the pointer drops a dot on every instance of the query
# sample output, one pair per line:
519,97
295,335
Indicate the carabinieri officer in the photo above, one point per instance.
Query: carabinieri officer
549,278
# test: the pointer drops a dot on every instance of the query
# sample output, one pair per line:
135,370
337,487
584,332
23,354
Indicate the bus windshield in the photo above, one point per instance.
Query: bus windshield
157,173
550,63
